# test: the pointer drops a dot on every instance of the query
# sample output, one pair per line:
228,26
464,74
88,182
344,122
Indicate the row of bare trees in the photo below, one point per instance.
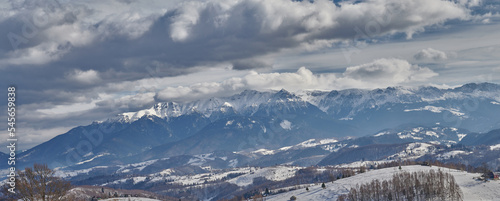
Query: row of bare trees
416,186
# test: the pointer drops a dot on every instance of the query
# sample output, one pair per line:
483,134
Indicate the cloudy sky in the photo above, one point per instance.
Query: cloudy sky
74,62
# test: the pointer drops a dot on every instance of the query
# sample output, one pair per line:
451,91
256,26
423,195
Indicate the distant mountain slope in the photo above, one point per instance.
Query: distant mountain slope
110,140
489,138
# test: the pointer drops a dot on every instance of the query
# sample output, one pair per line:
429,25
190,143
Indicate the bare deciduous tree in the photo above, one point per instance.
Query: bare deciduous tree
39,183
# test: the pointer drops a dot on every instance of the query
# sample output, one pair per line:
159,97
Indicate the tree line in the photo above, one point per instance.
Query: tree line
416,186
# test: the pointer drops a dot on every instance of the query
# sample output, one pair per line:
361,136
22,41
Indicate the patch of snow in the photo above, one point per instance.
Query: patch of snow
139,179
418,129
450,154
333,147
226,104
381,133
285,148
133,116
432,134
408,135
327,141
166,172
308,143
233,163
86,161
435,109
495,147
461,136
287,125
311,143
495,103
229,122
264,152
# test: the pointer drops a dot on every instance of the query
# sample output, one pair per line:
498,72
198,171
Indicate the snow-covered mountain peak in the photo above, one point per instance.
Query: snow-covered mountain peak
133,116
246,100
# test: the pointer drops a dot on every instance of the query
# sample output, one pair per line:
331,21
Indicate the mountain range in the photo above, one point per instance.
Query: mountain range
251,120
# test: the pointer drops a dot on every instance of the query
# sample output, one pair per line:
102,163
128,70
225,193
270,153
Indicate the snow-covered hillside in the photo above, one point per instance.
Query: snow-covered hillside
472,189
130,199
247,174
271,173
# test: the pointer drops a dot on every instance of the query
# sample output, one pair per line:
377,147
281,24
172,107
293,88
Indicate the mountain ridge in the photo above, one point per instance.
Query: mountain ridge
254,120
321,99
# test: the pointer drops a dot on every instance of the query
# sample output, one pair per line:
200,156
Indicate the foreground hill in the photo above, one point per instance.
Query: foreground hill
471,188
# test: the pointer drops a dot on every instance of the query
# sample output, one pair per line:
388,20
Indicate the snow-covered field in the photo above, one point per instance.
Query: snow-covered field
130,199
277,173
472,189
272,173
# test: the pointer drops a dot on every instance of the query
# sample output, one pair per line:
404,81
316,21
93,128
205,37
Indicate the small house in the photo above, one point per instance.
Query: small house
492,175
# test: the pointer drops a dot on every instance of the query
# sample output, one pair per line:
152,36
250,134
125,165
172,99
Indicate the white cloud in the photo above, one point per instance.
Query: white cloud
379,73
40,54
85,77
127,102
430,54
66,109
33,136
469,3
391,70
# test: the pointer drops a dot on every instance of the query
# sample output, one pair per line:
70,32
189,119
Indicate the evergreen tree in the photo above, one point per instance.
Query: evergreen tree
323,186
307,188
